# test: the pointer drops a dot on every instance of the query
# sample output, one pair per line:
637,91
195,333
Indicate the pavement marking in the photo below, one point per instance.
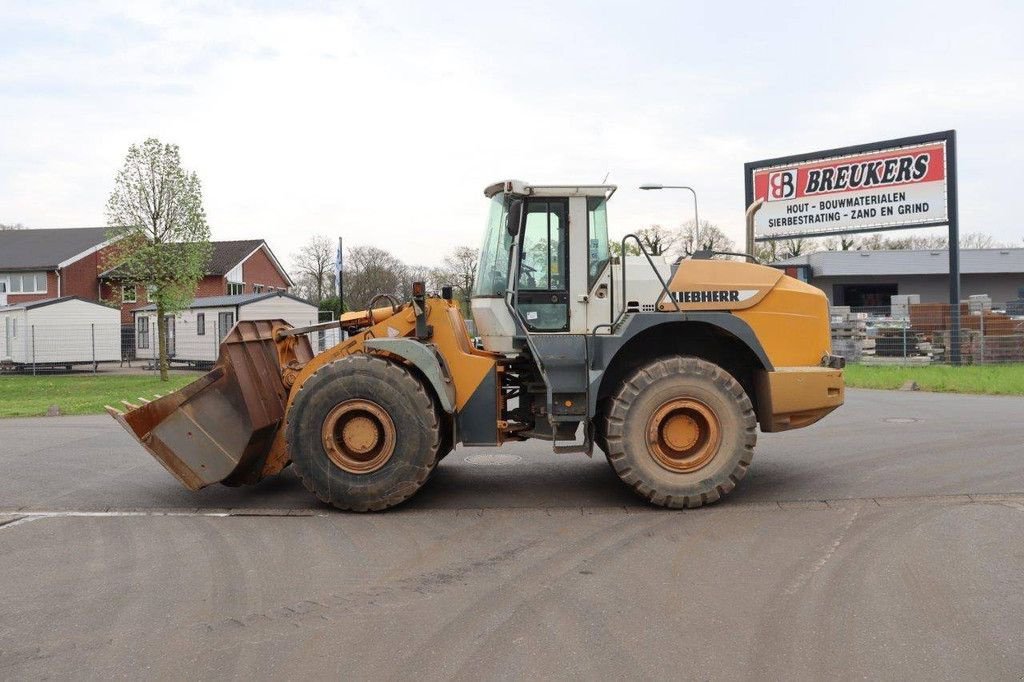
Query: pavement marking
33,515
493,459
4,525
804,577
1015,500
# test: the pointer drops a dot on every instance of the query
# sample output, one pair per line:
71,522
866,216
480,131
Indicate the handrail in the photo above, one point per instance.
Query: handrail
664,286
707,255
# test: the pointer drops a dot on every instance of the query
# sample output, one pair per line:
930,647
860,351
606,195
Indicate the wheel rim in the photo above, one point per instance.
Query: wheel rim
684,435
359,436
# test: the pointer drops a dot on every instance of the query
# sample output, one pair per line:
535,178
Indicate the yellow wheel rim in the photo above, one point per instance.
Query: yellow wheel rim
358,436
683,435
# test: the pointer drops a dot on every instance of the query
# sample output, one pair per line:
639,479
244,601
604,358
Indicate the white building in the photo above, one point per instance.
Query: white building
59,331
194,334
871,278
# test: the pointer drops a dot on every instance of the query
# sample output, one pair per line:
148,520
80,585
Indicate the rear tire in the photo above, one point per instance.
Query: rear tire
363,433
681,432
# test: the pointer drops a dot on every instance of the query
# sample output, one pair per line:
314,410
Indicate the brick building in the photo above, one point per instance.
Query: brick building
43,264
236,267
54,263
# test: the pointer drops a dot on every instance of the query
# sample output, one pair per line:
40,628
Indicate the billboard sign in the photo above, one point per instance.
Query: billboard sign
889,185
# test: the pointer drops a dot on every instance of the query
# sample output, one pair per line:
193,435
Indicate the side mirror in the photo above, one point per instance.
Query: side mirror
514,217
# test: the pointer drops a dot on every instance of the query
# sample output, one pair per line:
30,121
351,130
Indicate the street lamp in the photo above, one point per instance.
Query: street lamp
696,220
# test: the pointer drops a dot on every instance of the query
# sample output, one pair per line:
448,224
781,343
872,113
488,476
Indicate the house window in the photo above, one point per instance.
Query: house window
142,332
128,293
27,282
200,324
257,288
236,288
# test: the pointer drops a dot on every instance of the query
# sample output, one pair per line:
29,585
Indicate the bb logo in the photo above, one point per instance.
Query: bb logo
782,185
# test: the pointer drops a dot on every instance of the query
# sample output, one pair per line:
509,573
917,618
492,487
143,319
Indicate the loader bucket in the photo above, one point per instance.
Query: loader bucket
220,427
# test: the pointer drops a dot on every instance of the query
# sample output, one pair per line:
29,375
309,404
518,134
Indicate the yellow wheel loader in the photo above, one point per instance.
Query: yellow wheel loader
667,368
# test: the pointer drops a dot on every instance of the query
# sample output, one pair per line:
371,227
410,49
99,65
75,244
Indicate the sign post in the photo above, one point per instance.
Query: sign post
896,184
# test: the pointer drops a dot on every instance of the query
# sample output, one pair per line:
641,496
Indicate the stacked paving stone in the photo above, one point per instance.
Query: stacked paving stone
850,333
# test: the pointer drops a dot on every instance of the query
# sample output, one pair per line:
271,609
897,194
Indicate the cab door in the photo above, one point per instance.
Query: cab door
542,274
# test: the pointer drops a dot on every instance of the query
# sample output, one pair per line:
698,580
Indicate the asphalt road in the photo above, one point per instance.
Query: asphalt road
886,541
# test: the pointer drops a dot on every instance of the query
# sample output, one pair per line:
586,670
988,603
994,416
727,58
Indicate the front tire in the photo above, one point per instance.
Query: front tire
363,433
681,432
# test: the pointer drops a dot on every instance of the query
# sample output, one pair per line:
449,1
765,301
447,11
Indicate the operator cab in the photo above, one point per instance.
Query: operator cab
545,264
543,252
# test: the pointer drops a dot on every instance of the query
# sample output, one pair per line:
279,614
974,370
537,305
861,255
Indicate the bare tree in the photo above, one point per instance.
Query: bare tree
881,242
767,252
11,226
314,264
797,246
978,240
155,216
370,271
417,273
657,240
840,243
706,237
458,270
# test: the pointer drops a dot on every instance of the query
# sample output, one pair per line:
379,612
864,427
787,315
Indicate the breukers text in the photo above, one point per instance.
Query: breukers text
862,174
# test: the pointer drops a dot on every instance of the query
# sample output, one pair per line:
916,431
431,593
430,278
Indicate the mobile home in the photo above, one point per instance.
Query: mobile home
59,331
194,334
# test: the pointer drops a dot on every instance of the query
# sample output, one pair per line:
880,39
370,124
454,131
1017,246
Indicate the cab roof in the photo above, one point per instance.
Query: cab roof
526,189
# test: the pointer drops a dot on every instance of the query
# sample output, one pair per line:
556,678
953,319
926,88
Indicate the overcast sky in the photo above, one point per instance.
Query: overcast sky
382,122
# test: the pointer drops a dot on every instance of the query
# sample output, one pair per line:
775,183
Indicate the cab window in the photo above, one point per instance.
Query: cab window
598,252
542,265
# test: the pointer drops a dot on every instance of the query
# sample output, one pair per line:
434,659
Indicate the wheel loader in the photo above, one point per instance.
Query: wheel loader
668,369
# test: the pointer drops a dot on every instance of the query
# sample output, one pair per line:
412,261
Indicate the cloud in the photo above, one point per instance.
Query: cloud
383,123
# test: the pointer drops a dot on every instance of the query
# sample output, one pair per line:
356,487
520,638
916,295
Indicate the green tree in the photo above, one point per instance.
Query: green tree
155,214
616,248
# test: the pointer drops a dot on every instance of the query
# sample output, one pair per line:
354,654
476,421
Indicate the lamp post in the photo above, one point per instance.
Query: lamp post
696,219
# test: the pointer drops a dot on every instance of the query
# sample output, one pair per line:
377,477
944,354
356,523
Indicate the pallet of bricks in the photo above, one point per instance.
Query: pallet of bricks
985,336
850,334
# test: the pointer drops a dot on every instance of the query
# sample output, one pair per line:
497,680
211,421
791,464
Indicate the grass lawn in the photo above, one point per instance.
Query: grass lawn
991,379
28,396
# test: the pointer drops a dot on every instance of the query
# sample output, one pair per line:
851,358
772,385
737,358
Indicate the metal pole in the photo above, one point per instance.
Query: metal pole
33,350
92,329
341,278
954,247
153,343
696,217
982,339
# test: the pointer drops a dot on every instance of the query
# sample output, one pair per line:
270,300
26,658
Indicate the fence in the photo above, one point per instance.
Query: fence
976,332
973,333
60,348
